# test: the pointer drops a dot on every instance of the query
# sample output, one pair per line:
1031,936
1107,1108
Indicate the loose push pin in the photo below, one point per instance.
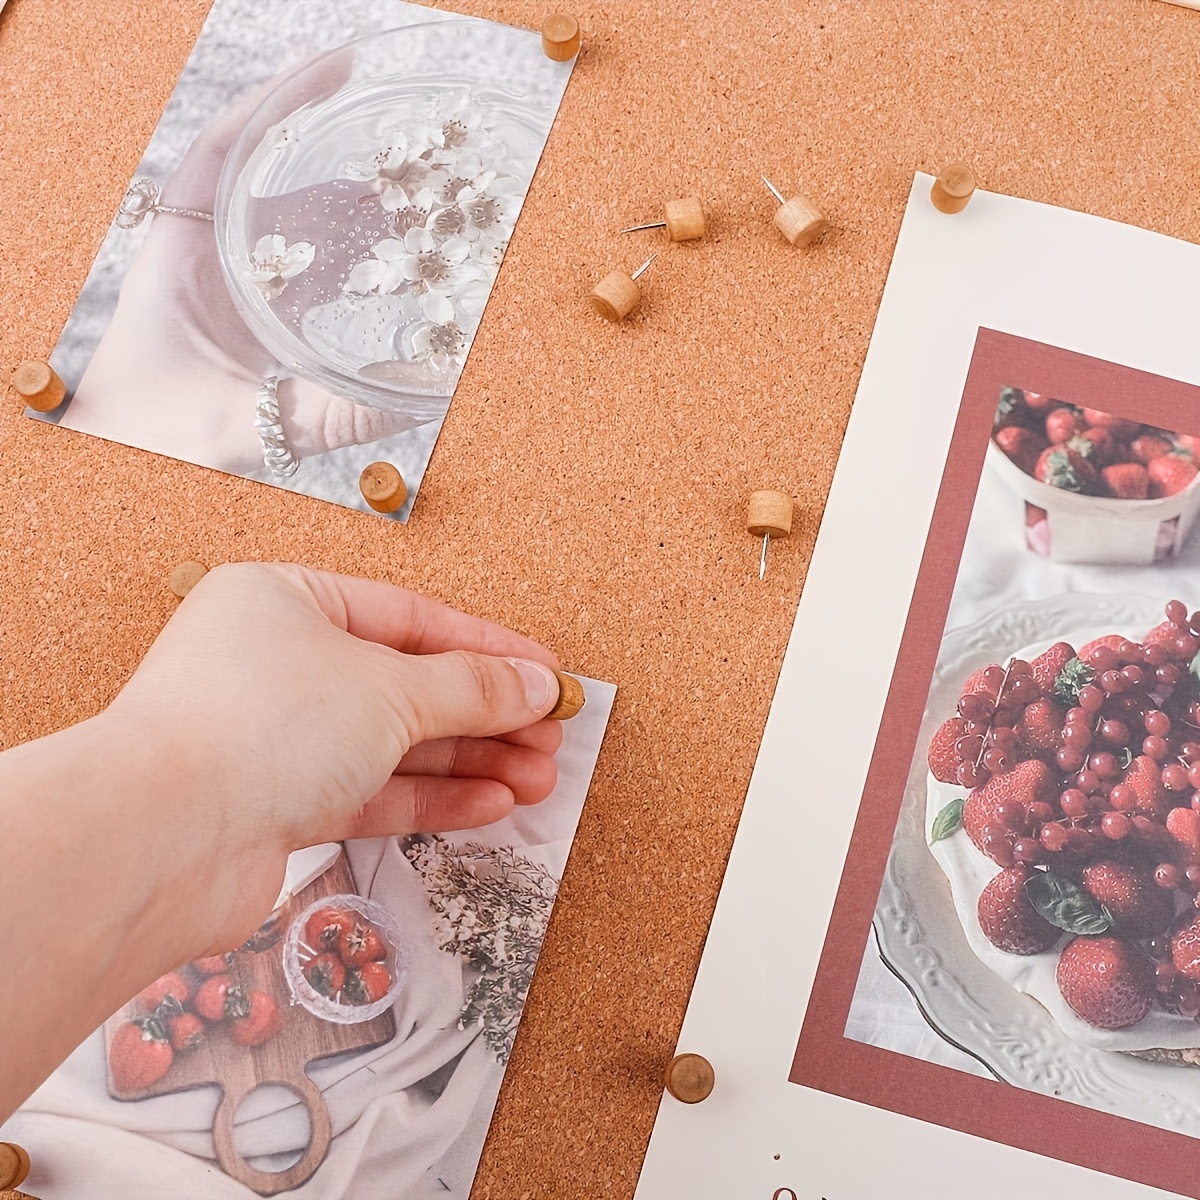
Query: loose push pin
689,1078
560,37
14,1165
617,294
185,576
953,188
571,698
798,219
682,219
39,386
769,516
382,487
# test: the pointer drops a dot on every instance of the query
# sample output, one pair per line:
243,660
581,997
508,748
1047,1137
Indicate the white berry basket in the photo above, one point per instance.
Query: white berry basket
1067,527
296,955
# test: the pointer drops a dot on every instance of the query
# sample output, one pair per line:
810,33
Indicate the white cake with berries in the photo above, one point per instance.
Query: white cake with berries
1074,875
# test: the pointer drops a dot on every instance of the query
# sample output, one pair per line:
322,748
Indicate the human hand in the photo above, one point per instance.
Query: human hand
299,707
177,370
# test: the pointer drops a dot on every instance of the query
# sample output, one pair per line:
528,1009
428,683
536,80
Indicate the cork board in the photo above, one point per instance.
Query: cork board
595,499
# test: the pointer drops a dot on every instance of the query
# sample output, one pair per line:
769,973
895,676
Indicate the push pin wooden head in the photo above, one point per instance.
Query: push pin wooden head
560,37
185,577
682,219
769,516
689,1078
617,294
571,698
382,487
798,219
953,188
39,386
14,1164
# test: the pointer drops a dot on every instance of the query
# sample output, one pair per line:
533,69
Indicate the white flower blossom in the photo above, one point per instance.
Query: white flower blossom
382,273
439,340
273,262
438,267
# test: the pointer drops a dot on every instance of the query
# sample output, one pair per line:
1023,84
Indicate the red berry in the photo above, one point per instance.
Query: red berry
1008,919
1108,982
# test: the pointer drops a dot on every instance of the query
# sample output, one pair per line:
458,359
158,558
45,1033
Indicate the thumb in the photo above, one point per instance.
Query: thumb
463,694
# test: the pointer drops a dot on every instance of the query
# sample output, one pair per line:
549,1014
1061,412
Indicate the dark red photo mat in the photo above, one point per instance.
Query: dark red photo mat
825,1058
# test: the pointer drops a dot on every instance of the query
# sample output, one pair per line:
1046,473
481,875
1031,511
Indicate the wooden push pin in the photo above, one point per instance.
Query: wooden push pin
571,697
14,1164
689,1078
682,219
560,37
769,516
39,386
953,188
382,487
800,221
617,294
185,576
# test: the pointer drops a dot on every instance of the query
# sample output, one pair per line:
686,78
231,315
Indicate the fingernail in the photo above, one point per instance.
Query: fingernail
541,686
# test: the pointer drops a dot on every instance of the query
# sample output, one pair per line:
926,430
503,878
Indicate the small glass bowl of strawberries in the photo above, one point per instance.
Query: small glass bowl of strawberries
343,959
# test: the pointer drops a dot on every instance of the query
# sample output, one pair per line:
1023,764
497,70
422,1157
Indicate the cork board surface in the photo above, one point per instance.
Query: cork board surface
590,483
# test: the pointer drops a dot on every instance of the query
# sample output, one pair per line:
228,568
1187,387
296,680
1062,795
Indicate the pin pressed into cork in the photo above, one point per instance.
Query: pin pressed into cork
382,487
39,386
798,219
953,188
560,37
689,1078
185,576
14,1164
682,219
769,515
571,697
617,294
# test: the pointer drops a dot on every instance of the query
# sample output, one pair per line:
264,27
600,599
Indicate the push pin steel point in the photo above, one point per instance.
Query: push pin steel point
560,37
617,294
682,219
953,188
769,516
798,219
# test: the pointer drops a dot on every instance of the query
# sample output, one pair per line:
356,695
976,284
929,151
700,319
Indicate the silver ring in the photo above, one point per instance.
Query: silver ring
280,460
141,199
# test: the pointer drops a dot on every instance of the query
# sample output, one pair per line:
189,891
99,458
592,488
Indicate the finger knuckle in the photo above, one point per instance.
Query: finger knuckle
481,674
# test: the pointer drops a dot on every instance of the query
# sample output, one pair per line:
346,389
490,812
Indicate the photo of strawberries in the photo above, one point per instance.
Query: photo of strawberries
1082,779
139,1054
171,985
253,1017
1090,452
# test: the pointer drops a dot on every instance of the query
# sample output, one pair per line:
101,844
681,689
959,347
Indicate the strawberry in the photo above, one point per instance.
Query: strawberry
139,1055
1149,446
1185,949
1170,474
368,983
213,997
1027,783
212,964
254,1018
1165,632
1126,481
1108,982
1120,428
171,984
1041,727
943,761
977,683
361,944
186,1031
1183,824
1040,403
1023,446
1008,920
1096,444
1062,424
1145,777
1138,905
1062,468
1049,664
323,929
1185,443
1111,640
325,974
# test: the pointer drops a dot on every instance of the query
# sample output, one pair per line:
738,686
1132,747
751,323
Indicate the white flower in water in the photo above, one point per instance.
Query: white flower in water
273,262
488,204
437,267
415,213
399,171
382,273
439,340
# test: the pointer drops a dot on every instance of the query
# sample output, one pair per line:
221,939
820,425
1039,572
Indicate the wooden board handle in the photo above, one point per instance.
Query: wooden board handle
270,1183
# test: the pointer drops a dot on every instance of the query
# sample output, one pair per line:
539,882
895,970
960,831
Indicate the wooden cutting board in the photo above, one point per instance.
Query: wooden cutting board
283,1059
